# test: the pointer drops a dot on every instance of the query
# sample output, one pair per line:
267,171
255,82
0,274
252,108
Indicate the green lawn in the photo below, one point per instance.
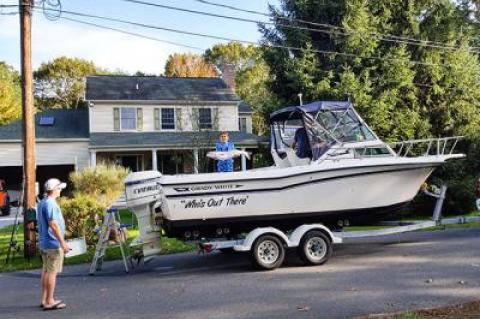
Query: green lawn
169,246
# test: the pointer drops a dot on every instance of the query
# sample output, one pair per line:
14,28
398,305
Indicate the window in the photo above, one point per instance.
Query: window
128,118
242,124
372,151
205,118
168,119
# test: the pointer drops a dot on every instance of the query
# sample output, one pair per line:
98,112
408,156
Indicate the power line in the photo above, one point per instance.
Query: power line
201,49
324,52
346,31
132,33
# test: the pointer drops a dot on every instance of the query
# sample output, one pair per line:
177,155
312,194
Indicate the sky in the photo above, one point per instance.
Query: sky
116,51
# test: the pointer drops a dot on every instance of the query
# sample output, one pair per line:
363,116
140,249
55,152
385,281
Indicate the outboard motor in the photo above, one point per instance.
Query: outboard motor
143,196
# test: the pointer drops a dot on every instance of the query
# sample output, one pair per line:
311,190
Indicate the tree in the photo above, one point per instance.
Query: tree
251,78
188,65
232,53
10,94
403,90
60,83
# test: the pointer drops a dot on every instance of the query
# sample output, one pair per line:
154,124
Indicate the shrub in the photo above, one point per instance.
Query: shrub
81,213
95,189
103,183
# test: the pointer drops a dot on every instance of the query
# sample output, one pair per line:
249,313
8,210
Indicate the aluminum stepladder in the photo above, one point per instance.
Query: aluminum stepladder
111,222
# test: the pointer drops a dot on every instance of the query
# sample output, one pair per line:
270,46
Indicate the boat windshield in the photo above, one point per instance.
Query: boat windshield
341,126
324,128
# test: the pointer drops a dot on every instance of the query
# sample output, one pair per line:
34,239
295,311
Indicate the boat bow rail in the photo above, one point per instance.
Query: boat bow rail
427,147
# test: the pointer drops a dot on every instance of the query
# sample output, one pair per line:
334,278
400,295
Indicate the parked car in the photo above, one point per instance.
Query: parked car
4,199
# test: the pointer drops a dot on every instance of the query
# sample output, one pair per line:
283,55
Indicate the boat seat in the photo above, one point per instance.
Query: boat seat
294,159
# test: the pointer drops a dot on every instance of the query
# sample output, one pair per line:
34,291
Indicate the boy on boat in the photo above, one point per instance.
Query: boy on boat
224,146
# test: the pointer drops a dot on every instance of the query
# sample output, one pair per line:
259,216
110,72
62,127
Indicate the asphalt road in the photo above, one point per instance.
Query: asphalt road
388,274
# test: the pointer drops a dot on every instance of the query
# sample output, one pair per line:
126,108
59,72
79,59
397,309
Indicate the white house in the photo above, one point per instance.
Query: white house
143,123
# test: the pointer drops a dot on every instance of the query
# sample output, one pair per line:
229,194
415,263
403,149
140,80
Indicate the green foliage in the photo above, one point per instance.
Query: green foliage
60,83
104,183
10,94
252,75
400,99
460,177
232,53
81,213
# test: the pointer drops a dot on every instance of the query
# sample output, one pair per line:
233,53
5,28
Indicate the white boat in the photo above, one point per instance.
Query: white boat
349,173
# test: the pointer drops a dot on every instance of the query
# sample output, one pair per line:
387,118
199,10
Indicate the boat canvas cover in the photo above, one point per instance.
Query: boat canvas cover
295,112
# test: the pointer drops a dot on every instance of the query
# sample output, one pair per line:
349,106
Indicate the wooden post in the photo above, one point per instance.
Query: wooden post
28,120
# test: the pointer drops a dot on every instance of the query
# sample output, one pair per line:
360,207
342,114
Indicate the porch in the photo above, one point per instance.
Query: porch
168,153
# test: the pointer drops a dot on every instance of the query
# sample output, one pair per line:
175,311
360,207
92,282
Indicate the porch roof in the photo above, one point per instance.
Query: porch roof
170,140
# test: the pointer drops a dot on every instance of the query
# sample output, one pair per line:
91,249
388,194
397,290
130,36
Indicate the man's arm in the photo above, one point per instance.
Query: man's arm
58,234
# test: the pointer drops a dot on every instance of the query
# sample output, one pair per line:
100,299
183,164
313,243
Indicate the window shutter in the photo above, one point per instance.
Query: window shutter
196,119
116,119
156,116
215,119
139,119
178,119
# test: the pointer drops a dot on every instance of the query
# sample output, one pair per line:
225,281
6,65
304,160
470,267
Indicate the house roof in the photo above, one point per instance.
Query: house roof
204,139
243,107
157,88
67,123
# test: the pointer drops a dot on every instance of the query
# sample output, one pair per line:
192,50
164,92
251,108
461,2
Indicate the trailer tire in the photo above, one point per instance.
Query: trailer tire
268,252
315,248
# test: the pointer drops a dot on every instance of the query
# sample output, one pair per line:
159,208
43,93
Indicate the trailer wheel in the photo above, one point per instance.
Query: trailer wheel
315,248
268,252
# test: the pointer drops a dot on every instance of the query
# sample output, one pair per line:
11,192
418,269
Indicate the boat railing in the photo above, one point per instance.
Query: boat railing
425,147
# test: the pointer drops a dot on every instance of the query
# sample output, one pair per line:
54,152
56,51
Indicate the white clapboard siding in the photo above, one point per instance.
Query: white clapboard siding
228,118
101,116
47,153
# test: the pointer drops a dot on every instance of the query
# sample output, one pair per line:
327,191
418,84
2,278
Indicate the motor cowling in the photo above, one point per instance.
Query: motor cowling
143,193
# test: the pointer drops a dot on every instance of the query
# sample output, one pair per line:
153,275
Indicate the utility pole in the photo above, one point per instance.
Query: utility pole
28,121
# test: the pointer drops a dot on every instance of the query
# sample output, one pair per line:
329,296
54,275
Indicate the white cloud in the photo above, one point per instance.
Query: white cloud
107,49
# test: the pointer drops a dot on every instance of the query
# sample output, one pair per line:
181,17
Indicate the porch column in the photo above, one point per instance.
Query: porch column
154,160
93,158
244,161
195,160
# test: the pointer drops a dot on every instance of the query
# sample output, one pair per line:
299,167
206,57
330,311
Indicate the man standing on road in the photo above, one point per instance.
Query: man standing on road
51,228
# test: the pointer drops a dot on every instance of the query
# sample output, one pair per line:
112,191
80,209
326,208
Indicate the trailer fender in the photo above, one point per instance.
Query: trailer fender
257,232
298,233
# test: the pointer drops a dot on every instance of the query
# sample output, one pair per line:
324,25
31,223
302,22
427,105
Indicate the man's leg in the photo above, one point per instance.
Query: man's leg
50,281
44,287
54,266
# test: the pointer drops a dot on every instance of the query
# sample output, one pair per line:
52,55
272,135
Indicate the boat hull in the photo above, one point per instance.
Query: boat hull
286,201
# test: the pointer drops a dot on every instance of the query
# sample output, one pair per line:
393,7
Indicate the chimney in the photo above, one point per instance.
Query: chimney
228,75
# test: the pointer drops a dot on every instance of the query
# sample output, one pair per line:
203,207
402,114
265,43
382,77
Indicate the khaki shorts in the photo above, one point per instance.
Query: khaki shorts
52,260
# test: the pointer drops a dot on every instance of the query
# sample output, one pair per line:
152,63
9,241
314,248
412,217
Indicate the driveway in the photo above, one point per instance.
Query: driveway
9,220
392,273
